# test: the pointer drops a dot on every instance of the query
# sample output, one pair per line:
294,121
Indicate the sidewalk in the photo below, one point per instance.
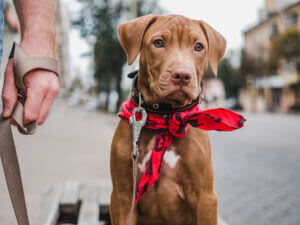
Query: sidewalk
74,144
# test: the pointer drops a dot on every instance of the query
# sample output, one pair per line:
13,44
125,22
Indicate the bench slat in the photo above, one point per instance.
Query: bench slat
89,213
106,189
49,211
70,193
90,191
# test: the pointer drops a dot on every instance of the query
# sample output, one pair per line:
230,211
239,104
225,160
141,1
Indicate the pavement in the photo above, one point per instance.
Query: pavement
257,169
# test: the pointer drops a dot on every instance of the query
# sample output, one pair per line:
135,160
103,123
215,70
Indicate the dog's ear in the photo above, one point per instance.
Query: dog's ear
131,35
216,46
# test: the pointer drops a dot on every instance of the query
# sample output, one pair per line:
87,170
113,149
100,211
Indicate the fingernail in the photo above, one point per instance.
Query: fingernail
6,112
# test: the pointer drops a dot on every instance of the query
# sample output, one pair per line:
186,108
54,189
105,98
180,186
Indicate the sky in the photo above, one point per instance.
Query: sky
229,17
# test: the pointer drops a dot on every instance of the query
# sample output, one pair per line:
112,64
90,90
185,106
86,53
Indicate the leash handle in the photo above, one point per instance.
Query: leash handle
22,64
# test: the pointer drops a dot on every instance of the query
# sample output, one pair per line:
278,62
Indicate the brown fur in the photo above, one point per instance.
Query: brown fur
184,194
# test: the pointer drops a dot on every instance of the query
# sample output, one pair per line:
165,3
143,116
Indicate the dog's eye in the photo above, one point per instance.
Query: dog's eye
198,47
158,43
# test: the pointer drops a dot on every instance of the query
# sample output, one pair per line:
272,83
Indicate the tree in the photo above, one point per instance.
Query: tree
97,22
228,75
230,78
286,46
255,66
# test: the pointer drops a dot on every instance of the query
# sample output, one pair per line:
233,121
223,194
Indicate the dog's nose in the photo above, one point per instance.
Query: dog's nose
181,76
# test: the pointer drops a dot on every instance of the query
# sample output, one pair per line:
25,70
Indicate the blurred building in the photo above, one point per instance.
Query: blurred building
214,93
279,91
62,42
11,29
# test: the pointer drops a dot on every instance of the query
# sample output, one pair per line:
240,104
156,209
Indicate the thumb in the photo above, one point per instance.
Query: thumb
9,93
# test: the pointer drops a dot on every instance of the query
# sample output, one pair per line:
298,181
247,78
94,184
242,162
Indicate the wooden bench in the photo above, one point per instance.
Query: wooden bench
74,203
71,203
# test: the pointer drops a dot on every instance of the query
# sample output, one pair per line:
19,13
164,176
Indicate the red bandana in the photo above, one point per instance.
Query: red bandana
177,126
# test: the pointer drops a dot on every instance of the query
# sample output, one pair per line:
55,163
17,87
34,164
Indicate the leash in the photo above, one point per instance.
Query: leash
136,131
22,64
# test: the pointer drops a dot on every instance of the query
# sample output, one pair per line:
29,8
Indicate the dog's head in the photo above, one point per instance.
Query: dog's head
174,54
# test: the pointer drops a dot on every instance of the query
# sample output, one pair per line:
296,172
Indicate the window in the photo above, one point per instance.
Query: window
291,20
274,30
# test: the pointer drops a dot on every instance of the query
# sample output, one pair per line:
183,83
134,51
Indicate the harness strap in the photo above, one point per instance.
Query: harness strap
22,64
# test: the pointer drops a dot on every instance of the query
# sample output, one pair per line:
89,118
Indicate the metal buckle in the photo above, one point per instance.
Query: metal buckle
155,106
137,125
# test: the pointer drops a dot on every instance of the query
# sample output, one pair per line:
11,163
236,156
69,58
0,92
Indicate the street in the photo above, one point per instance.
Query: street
257,168
257,171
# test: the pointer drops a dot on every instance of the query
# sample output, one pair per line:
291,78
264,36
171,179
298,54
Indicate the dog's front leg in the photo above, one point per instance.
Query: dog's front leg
206,209
120,208
121,174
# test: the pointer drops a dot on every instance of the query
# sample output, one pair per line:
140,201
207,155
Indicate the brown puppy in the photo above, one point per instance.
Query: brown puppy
174,54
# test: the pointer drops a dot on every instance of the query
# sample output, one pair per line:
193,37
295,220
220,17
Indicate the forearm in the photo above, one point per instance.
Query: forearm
37,26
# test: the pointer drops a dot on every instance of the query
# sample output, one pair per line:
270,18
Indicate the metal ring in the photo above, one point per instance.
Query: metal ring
155,106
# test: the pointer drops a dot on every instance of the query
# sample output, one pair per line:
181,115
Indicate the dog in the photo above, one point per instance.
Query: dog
174,54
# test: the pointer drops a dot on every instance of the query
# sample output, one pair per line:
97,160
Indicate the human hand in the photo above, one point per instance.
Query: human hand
37,25
42,88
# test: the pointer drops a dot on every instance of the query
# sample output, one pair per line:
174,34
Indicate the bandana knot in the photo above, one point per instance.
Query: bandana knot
178,125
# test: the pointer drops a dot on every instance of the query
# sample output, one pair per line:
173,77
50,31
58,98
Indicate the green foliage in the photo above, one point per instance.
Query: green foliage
230,78
97,23
251,66
285,46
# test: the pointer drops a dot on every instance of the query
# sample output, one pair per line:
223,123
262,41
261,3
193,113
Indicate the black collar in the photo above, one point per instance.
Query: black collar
159,108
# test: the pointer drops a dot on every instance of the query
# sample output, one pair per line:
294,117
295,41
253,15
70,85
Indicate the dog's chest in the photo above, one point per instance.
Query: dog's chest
171,158
166,191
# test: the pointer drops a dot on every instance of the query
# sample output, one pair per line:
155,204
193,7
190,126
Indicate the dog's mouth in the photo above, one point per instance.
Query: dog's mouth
179,95
178,98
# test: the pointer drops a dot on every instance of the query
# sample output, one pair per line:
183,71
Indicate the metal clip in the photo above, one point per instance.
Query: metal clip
137,127
140,102
202,96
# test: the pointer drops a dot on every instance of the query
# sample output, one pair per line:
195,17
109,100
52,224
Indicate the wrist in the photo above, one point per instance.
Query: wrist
39,44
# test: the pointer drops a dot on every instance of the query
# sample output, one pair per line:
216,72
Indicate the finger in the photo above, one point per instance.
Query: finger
46,105
33,103
9,93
